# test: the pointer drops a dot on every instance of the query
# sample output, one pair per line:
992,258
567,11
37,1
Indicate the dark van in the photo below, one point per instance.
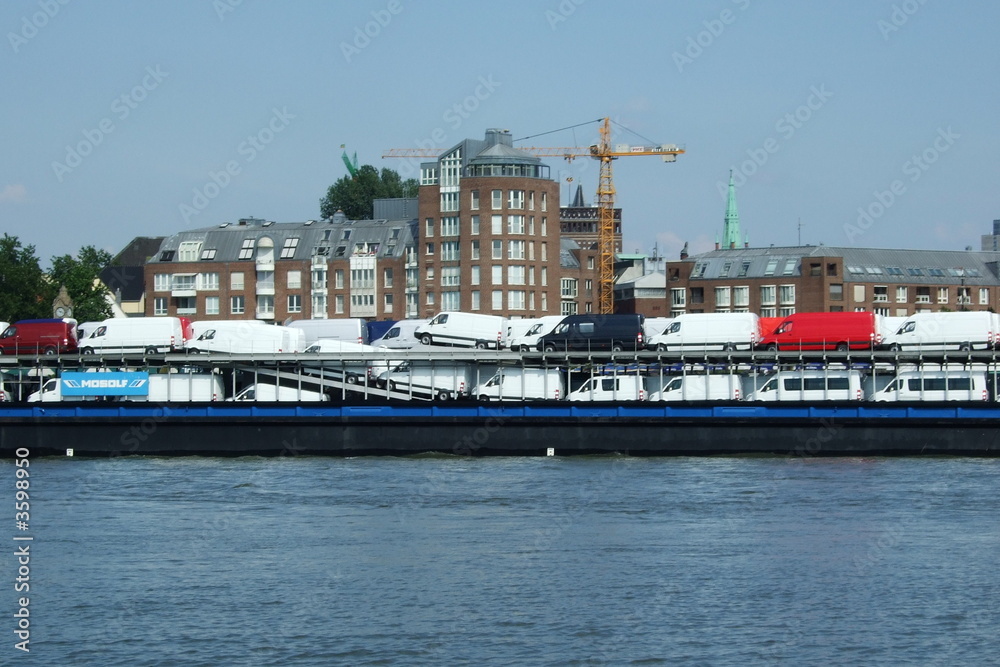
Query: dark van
595,333
39,337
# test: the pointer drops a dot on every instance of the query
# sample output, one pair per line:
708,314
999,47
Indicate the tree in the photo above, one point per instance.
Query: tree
80,275
23,289
354,196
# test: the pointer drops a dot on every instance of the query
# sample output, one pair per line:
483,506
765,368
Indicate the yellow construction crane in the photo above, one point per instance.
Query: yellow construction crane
606,153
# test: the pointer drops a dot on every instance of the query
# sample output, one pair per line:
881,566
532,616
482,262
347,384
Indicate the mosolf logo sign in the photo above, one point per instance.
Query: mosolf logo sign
105,384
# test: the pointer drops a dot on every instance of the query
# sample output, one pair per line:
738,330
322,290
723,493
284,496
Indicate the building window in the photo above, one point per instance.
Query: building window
744,269
515,199
288,249
474,203
475,299
451,277
964,297
496,225
772,264
545,302
545,252
698,295
531,251
208,254
515,299
338,304
246,250
167,256
831,270
942,295
449,201
430,298
318,306
161,282
815,269
449,250
497,300
768,295
475,274
859,293
449,225
984,296
568,288
387,278
451,300
769,312
475,225
429,273
836,292
881,294
515,224
741,297
515,250
265,304
236,281
722,299
531,225
338,279
428,227
319,279
160,305
515,275
474,249
545,205
497,200
188,251
498,250
901,296
293,279
208,281
237,305
590,263
543,224
496,275
387,303
785,312
545,277
786,295
588,285
531,200
567,308
428,176
295,303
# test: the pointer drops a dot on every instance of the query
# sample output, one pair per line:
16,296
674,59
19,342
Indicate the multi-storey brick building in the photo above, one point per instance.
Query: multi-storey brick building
578,287
489,237
259,269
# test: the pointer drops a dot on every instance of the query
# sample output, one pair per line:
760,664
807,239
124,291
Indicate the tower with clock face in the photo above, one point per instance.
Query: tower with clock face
62,305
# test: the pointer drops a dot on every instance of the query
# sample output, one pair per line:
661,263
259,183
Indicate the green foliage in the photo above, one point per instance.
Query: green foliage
80,276
27,292
23,290
354,196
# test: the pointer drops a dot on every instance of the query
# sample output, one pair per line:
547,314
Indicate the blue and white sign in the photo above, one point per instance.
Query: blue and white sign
105,384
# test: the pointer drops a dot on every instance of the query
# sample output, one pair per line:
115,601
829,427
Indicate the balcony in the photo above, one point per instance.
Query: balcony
265,263
923,298
265,314
265,289
187,311
881,298
964,300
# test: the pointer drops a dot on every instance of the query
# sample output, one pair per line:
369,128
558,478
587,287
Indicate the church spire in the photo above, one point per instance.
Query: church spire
731,229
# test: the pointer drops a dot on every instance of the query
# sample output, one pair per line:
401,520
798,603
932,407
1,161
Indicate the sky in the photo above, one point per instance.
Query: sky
862,123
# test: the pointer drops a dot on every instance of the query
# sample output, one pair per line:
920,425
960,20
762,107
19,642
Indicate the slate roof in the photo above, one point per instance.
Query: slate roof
339,238
931,267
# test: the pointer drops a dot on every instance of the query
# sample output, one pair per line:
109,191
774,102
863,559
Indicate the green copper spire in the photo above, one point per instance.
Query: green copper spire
731,230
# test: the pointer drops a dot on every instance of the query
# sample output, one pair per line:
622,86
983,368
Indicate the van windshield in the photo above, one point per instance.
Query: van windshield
674,384
533,330
784,328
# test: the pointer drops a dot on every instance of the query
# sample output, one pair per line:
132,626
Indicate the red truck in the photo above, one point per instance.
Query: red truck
824,331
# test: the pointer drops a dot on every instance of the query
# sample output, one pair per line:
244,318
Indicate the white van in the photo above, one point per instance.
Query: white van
528,340
611,388
522,384
949,385
654,326
243,337
945,331
464,330
443,381
708,332
355,362
810,386
353,329
149,335
402,335
700,388
516,327
270,392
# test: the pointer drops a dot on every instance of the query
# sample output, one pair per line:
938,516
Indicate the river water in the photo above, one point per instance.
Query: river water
560,561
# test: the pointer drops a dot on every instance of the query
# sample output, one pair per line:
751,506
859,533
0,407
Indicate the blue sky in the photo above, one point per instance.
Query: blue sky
116,114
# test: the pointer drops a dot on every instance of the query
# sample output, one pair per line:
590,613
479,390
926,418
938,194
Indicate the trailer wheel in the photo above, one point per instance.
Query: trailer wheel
841,347
87,350
426,339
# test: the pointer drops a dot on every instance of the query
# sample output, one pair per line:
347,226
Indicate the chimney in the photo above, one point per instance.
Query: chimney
684,250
